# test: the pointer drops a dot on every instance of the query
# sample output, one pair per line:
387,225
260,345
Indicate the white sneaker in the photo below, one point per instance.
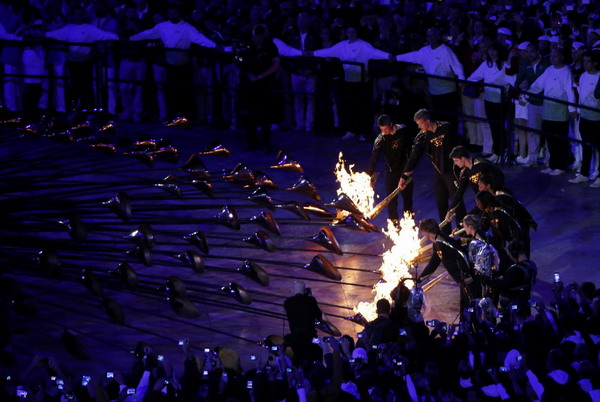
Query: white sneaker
349,135
595,184
494,158
521,161
556,172
547,170
578,179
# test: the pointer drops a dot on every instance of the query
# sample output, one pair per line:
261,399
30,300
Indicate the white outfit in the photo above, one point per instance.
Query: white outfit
85,33
175,36
439,61
491,74
358,51
556,83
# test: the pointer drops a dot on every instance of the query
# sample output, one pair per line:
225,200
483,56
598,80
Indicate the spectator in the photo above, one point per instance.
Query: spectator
382,329
302,311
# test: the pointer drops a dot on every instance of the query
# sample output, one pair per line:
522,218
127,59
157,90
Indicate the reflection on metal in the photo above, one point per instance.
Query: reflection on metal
317,210
241,174
344,202
143,157
260,196
142,236
198,239
228,218
142,254
126,274
305,187
356,223
178,122
321,265
166,154
325,238
91,282
359,319
262,240
193,259
286,163
193,164
120,205
327,327
255,272
170,188
109,127
108,149
262,180
296,208
217,149
237,292
75,228
267,221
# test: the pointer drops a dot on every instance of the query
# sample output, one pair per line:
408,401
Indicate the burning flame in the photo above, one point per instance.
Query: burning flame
396,263
356,185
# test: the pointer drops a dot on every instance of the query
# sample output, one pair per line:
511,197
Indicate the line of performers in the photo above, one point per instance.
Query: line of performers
488,253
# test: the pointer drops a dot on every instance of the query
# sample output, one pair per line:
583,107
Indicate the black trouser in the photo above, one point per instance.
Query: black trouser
558,144
407,195
590,133
445,108
496,115
353,114
179,89
81,74
256,104
444,191
31,99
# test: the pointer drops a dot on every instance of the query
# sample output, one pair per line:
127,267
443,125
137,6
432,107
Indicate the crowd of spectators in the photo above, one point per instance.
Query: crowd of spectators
551,354
517,49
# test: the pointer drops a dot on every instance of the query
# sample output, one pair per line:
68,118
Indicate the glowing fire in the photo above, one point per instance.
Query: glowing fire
356,185
396,263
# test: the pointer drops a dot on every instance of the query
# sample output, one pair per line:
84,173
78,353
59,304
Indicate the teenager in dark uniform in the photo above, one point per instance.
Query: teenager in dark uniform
449,252
395,142
436,139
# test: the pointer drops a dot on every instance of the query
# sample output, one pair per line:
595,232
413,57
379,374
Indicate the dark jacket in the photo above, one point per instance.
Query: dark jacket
437,146
395,147
302,311
449,252
470,178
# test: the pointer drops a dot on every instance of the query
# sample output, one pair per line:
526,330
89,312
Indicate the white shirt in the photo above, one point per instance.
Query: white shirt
175,36
286,50
84,33
358,51
439,61
490,74
587,85
556,83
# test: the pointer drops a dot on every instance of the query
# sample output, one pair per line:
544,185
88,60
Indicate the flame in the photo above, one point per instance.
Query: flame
356,185
396,263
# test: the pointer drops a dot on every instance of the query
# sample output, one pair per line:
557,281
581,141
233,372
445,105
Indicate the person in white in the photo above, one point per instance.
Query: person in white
589,121
79,57
493,71
354,94
12,60
106,22
557,82
176,35
438,59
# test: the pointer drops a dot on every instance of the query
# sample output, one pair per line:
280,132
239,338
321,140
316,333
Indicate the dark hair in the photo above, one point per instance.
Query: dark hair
422,114
460,151
384,120
515,248
429,225
502,57
487,199
472,220
489,180
383,306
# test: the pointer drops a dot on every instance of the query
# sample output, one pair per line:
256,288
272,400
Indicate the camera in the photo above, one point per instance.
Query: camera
471,310
205,372
181,342
375,347
224,376
431,323
514,307
288,369
249,384
308,292
503,369
71,395
160,358
360,335
316,340
352,360
85,380
533,303
206,350
252,357
130,391
519,358
274,348
21,393
556,277
402,332
167,381
110,374
52,378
